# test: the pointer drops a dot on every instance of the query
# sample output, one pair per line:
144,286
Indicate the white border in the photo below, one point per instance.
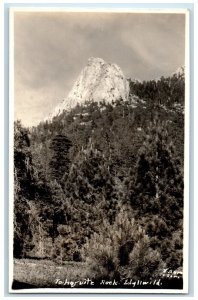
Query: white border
11,144
11,152
2,145
98,9
186,154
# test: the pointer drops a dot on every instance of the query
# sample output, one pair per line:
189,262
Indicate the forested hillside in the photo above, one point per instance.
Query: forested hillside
104,183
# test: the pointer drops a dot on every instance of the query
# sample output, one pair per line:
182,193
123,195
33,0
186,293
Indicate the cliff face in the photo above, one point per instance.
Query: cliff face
98,81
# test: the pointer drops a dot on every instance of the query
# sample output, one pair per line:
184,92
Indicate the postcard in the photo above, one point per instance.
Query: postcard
99,149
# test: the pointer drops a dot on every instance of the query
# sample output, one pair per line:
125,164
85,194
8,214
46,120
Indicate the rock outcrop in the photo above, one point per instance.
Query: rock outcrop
98,81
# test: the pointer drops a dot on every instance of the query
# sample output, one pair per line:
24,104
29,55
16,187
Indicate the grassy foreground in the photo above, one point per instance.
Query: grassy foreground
45,273
33,273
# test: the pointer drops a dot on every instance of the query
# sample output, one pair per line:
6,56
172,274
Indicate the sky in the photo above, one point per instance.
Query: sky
51,49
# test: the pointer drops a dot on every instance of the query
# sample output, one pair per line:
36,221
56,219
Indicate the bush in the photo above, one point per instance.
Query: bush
144,262
121,250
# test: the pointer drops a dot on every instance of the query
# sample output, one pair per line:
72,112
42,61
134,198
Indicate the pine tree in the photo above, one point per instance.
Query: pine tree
24,189
59,163
23,161
90,180
121,250
156,186
57,213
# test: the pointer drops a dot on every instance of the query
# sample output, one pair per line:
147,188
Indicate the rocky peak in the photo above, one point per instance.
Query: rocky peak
180,72
96,60
98,81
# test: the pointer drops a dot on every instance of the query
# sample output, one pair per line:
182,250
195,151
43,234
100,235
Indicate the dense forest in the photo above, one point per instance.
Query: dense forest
104,183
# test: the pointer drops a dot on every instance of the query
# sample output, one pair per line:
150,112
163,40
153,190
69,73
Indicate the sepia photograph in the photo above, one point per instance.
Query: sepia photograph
99,120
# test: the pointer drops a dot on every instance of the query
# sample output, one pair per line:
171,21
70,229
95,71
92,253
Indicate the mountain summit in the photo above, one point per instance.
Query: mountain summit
98,81
180,72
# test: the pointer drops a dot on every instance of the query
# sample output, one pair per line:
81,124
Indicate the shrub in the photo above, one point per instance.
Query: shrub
144,262
121,250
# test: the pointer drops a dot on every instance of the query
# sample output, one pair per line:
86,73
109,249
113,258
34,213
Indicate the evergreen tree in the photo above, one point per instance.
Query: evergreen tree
24,189
59,164
24,172
57,213
90,180
156,186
